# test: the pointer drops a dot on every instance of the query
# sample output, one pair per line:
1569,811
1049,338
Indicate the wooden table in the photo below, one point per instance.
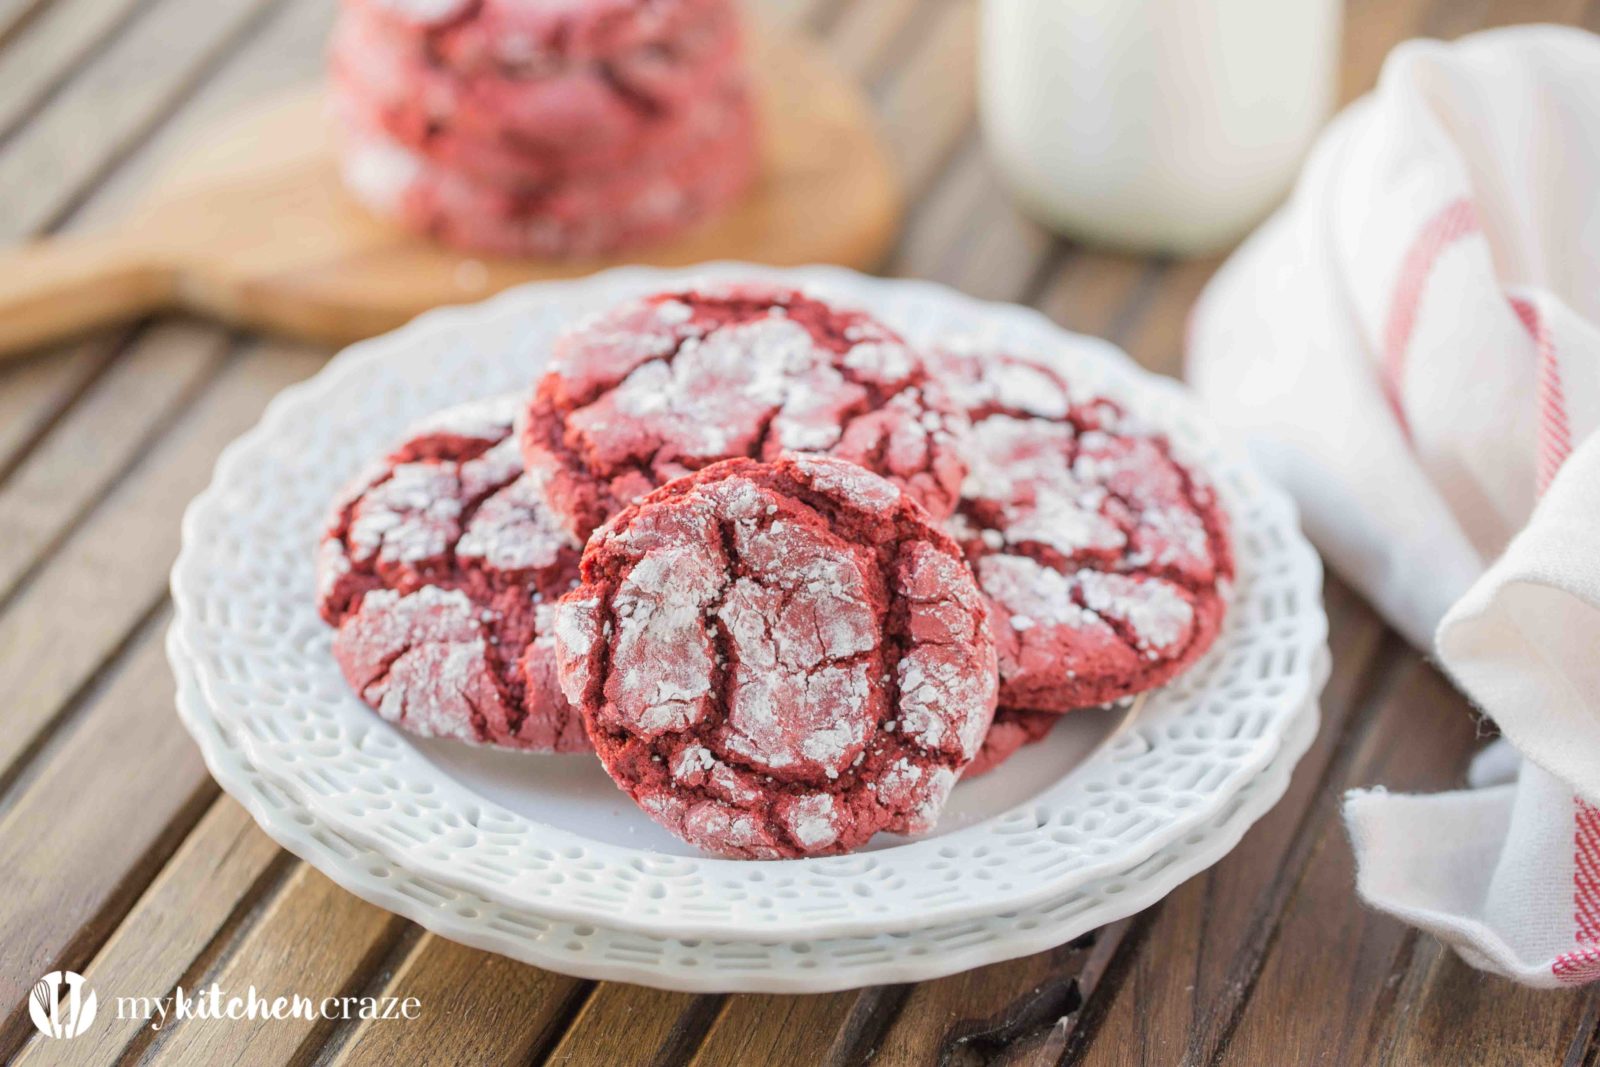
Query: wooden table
119,857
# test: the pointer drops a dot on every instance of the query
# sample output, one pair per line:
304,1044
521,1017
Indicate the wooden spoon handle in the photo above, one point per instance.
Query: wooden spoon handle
64,286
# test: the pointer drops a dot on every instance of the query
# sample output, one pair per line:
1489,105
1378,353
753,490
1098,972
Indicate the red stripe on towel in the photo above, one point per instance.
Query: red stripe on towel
1555,434
1582,964
1455,221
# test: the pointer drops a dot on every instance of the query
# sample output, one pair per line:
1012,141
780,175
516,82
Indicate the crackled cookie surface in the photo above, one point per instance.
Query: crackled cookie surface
671,383
1105,559
779,659
440,568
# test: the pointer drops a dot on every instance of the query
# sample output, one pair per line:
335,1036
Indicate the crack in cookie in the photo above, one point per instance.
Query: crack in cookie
664,386
779,659
1105,559
440,568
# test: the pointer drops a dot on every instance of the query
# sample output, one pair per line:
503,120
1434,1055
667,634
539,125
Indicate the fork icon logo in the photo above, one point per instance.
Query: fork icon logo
62,1013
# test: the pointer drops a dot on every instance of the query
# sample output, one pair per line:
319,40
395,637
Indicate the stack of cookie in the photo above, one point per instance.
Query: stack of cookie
543,129
788,577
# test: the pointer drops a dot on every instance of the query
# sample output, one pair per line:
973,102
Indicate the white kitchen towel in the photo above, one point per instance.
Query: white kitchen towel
1411,346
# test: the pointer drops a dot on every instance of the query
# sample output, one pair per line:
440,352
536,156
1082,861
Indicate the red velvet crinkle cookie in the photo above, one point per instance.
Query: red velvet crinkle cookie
1105,559
665,385
640,109
779,659
570,218
441,568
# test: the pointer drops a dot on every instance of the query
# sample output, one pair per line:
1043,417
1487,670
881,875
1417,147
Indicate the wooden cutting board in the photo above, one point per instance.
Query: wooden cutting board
254,228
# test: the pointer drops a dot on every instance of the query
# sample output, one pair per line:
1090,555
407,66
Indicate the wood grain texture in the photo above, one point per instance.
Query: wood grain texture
1447,1013
38,390
976,1016
1332,965
1206,940
484,1008
148,879
122,789
311,938
121,412
43,51
144,72
927,105
221,868
968,234
622,1024
828,1030
111,571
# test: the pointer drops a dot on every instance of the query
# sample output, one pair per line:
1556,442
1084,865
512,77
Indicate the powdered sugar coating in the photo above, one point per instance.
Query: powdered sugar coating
671,383
779,659
1105,559
440,569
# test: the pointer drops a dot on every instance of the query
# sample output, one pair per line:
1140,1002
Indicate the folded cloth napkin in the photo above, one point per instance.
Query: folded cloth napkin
1412,346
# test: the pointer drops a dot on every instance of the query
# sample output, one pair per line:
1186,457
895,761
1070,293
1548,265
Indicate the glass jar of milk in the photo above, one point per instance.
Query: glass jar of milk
1160,125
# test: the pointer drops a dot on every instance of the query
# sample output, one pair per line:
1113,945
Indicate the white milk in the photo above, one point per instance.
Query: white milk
1169,125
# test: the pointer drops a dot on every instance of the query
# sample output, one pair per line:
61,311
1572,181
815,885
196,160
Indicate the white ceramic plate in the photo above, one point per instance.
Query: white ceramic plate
551,839
710,966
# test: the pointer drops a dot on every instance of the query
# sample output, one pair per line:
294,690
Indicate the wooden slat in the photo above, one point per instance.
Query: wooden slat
1001,251
1371,29
1092,292
827,1029
313,939
1189,976
95,441
284,53
977,1014
481,1007
15,14
35,391
49,49
967,234
86,835
622,1024
1512,12
860,41
1446,1012
112,104
929,103
939,217
1156,342
219,870
112,571
1329,950
790,15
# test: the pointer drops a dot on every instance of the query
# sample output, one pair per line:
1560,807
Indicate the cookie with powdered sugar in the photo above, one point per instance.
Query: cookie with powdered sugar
665,385
441,567
779,659
1105,558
